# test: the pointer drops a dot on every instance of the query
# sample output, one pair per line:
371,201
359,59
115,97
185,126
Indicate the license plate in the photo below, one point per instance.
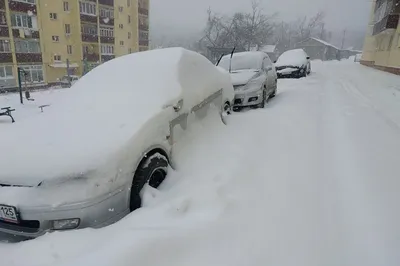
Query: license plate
8,214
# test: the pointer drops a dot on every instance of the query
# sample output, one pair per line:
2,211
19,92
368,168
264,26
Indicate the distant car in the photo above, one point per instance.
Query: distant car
293,64
67,81
110,134
253,77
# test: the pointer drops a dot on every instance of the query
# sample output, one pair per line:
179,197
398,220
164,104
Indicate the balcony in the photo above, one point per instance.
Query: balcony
144,42
27,34
390,22
105,58
106,2
144,27
143,11
22,7
3,4
4,32
104,39
90,38
87,18
6,57
106,21
91,57
27,58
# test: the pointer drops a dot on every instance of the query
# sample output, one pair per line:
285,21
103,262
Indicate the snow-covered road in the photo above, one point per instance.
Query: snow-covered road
311,180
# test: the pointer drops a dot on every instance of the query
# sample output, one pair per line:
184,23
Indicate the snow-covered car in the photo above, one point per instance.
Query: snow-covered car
293,64
84,160
67,81
253,77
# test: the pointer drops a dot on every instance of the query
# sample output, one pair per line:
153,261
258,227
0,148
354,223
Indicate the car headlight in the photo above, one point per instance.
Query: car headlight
65,224
253,85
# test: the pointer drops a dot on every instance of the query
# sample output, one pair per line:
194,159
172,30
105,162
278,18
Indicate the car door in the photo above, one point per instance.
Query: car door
270,75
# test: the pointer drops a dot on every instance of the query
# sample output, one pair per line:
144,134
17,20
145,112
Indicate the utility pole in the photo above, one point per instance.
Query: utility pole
343,39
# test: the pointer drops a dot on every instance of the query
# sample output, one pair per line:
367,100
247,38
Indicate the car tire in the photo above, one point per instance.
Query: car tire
225,111
153,171
274,93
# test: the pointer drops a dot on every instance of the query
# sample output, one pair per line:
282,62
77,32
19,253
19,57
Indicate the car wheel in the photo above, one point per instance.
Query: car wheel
274,93
152,171
226,110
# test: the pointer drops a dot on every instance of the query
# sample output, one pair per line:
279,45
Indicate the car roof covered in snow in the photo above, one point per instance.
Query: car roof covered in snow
296,57
102,111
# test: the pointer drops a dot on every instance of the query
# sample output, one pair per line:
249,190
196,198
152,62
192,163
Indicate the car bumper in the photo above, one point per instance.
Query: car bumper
98,212
293,74
248,99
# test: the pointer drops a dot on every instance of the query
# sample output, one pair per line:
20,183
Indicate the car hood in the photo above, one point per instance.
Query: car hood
100,114
243,77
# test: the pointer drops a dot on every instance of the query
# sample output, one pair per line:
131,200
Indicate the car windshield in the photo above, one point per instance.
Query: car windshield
242,61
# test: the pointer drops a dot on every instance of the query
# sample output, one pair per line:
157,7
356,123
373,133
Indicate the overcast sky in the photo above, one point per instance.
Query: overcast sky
191,14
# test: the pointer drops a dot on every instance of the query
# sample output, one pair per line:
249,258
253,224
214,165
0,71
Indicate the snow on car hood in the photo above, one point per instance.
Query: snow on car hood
295,58
242,77
101,113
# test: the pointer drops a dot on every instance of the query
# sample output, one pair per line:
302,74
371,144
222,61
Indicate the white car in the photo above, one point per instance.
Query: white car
253,77
84,160
293,64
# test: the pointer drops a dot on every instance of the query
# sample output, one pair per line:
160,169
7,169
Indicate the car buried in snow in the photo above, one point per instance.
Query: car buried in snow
293,64
85,160
253,77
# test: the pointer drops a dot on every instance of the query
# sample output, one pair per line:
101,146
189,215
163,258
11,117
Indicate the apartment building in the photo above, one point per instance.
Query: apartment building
47,38
382,42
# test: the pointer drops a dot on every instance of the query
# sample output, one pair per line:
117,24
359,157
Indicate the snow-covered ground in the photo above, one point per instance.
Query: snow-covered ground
311,180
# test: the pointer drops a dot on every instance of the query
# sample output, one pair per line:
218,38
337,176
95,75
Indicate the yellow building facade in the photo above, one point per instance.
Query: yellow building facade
49,38
382,42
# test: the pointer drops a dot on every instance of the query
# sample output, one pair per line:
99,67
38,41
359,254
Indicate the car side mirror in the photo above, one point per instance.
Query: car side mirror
308,58
275,62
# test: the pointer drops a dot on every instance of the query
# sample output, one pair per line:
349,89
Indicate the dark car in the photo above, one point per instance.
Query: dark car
293,64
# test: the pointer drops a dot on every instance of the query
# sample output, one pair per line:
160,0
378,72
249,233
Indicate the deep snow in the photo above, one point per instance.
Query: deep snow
311,180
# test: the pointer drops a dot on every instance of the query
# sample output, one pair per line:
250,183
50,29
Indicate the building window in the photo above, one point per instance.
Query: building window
53,15
3,19
6,72
55,38
128,3
143,35
121,42
129,19
66,6
120,9
27,46
89,29
129,35
107,49
106,32
85,49
33,73
121,26
5,46
67,28
69,49
23,21
87,8
106,12
57,58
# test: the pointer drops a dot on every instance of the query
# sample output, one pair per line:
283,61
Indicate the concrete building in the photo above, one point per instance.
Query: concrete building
319,49
382,42
47,37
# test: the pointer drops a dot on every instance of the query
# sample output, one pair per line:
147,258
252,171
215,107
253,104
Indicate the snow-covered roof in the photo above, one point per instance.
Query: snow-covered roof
325,43
268,48
101,112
